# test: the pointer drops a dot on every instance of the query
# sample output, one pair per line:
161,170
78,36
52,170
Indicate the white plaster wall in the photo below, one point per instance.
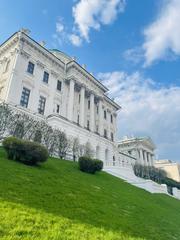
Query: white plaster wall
84,136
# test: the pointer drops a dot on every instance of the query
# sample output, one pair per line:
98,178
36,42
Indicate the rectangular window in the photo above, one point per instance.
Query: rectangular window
112,137
111,118
57,108
105,133
78,119
46,77
105,114
25,97
30,68
88,124
59,85
89,104
42,102
79,98
97,109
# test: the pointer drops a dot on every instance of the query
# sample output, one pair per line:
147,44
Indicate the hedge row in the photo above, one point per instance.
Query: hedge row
27,152
89,165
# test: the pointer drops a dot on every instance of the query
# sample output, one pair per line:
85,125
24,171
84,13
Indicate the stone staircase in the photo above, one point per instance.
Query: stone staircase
127,174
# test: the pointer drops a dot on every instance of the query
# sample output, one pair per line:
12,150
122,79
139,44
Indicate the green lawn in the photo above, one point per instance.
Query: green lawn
56,201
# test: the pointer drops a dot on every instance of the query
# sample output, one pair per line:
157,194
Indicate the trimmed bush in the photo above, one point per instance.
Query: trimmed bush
89,165
11,145
27,152
98,164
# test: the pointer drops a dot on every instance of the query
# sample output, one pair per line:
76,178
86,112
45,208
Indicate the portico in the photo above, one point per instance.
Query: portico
140,148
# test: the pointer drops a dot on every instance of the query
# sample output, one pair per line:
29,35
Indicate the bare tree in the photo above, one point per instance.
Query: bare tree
75,148
62,144
5,119
88,151
22,125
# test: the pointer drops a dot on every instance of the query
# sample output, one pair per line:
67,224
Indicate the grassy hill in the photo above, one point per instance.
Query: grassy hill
58,202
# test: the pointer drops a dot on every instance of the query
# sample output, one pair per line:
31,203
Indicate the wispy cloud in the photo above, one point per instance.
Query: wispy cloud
75,40
147,109
162,37
134,55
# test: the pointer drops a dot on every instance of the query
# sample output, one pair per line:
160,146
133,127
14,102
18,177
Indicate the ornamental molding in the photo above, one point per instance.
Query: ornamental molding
82,71
8,44
15,51
40,64
44,52
54,74
24,54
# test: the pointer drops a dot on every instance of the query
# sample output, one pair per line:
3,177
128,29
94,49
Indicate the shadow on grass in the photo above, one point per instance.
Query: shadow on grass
59,188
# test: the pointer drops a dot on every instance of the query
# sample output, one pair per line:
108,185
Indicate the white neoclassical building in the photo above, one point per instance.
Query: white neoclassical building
55,87
140,149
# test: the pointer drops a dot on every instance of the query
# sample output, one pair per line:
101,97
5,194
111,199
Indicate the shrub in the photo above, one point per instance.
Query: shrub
27,152
89,165
98,164
11,144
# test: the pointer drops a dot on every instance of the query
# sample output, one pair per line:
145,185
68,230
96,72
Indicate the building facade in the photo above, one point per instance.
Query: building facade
141,149
171,168
53,86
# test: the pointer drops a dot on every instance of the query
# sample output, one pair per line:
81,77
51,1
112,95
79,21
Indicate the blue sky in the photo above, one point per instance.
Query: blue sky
132,45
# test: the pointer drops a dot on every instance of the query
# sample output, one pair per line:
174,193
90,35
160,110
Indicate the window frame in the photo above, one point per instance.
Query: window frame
42,105
30,70
25,94
59,82
45,77
105,114
57,108
111,118
105,133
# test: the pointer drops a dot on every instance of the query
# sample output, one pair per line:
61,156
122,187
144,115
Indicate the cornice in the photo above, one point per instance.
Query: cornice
37,47
79,85
85,74
8,44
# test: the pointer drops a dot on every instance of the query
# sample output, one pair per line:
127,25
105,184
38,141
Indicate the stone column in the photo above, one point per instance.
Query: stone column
145,156
71,100
82,94
101,127
92,118
109,124
152,159
141,157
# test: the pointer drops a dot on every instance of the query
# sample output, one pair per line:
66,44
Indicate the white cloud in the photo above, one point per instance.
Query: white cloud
147,109
59,26
75,40
91,14
163,35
